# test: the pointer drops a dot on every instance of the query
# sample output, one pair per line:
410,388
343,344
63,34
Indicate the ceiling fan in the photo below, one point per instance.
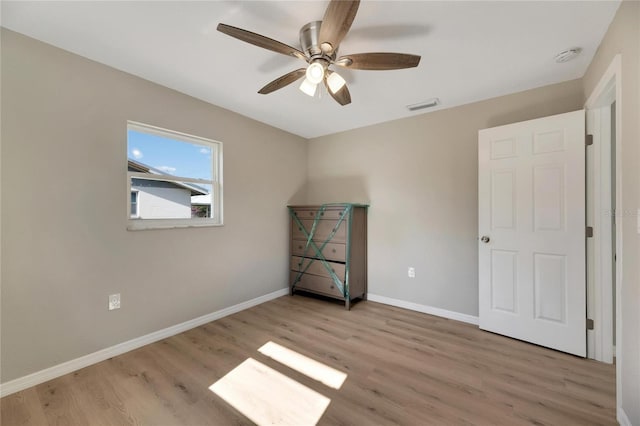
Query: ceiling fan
319,42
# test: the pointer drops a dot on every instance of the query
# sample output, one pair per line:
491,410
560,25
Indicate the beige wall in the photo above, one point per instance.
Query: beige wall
623,37
420,176
64,243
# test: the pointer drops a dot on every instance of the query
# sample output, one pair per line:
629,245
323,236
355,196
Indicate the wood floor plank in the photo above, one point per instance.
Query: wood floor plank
23,408
59,403
403,368
95,393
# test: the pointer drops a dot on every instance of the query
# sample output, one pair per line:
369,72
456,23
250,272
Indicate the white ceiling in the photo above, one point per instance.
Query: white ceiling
470,50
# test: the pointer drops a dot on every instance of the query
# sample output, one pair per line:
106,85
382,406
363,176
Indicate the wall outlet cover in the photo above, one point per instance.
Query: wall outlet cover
411,272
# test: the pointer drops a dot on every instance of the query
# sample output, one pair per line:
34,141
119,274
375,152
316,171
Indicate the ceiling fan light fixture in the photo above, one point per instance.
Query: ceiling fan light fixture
315,73
320,42
308,88
335,82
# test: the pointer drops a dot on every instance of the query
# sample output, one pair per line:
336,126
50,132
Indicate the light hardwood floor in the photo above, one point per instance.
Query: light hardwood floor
403,368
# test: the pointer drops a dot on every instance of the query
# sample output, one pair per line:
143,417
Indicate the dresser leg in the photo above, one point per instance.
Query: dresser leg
347,304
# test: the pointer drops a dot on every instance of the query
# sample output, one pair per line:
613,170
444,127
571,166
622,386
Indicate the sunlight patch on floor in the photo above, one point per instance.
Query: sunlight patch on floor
268,397
305,365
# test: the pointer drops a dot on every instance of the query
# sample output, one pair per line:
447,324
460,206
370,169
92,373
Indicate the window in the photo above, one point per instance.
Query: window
134,203
174,179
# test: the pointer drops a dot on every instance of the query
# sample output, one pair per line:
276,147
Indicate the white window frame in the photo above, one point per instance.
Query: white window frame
134,224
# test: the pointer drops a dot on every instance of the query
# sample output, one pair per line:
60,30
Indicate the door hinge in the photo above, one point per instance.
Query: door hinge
589,324
588,140
589,231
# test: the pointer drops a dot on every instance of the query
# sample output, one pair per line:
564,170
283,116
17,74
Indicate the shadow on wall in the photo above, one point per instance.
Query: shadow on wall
529,112
337,189
299,197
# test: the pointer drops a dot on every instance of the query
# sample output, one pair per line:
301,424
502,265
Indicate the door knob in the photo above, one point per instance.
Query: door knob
485,239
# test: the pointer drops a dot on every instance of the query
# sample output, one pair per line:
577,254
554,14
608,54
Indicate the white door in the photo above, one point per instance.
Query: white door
532,227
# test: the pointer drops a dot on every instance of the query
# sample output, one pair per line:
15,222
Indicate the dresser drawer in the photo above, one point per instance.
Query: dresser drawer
316,284
336,252
328,213
316,267
322,231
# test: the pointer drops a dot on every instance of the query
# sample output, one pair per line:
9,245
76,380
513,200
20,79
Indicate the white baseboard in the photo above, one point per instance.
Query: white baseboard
47,374
424,309
622,418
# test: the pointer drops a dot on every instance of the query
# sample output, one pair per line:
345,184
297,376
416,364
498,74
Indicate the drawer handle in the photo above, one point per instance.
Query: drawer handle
299,229
331,287
310,213
321,213
333,250
300,247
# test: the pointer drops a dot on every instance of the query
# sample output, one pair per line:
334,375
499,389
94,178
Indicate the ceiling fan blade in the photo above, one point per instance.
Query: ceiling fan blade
283,81
261,41
378,61
336,23
342,96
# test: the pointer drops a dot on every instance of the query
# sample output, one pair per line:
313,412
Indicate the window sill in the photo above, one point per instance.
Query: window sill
150,224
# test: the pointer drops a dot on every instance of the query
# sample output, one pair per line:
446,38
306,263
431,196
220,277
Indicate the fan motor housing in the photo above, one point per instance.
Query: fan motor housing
309,38
310,43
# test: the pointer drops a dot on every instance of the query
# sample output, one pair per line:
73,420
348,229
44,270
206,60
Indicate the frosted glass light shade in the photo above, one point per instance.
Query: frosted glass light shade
335,82
308,87
315,73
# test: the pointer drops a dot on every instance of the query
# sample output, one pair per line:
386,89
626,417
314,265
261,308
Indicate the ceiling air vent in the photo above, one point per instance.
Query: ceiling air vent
430,103
567,55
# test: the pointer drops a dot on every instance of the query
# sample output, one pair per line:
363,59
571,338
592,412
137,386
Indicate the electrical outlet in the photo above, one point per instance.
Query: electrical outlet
114,301
411,272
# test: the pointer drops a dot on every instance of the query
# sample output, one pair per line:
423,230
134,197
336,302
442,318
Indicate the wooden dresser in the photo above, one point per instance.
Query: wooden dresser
328,247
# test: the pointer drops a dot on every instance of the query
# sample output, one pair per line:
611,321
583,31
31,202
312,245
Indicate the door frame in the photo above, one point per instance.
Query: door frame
600,216
608,90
